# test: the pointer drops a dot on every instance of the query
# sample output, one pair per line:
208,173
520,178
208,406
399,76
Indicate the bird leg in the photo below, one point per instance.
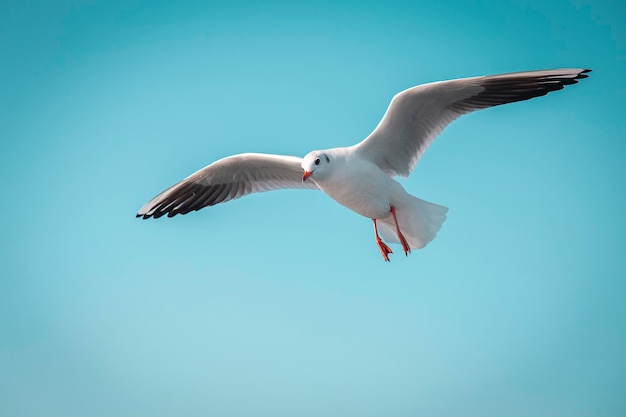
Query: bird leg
384,249
405,245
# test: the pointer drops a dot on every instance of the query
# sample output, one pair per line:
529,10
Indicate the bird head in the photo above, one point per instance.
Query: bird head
315,163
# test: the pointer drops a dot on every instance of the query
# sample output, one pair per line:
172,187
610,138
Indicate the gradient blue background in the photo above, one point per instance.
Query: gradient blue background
279,304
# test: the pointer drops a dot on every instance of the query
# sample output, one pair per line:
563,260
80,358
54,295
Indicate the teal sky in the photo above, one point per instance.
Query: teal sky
279,304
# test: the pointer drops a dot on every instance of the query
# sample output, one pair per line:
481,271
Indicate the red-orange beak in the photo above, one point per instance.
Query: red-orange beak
306,175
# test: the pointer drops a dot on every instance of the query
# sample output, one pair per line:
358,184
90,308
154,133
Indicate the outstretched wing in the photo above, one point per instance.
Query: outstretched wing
225,180
417,115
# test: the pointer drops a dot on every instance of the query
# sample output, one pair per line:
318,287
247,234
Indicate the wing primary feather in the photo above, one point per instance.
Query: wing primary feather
173,204
215,195
498,91
201,202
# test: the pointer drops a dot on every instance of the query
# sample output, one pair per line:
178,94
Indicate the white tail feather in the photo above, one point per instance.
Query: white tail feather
419,222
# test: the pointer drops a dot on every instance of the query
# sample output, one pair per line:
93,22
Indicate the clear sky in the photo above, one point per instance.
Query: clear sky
279,304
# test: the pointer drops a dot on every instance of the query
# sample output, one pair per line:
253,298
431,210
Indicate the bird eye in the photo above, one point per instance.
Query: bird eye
317,161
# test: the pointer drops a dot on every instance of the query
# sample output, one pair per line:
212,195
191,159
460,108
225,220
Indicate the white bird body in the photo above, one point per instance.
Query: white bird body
364,188
359,184
361,177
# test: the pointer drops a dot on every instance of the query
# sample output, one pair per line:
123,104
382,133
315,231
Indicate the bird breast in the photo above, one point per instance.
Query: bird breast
363,188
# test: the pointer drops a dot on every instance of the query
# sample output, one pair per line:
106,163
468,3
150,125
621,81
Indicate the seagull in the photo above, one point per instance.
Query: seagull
362,177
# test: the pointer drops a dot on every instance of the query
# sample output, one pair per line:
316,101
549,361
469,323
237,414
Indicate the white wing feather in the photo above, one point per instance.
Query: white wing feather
225,180
417,115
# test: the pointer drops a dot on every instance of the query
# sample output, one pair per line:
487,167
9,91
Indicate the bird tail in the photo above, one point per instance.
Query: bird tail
419,222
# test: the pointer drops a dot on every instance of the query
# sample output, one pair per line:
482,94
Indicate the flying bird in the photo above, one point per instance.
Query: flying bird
361,177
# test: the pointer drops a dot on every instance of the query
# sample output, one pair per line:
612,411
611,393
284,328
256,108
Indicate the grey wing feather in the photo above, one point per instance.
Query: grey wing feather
225,180
417,115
